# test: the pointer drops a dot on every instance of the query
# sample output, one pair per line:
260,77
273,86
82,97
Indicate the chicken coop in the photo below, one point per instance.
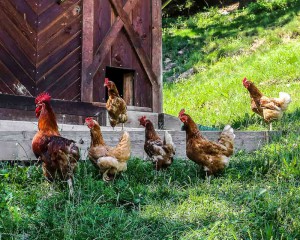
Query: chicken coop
68,47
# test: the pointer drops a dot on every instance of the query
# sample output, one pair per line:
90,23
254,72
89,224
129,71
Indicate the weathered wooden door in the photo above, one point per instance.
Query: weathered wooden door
126,35
40,47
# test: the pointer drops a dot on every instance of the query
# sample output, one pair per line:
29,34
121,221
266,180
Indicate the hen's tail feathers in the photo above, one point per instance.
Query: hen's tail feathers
286,100
227,133
169,141
122,150
168,138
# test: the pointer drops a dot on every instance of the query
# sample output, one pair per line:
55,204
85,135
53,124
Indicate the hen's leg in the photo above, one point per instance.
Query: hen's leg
270,126
207,177
122,126
71,189
105,176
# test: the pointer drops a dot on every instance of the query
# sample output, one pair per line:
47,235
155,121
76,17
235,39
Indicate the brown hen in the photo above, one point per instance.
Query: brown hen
115,105
270,109
160,152
109,160
213,156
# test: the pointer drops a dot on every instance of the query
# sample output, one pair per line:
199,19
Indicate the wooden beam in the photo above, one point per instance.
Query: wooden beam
156,56
136,43
107,42
59,106
87,50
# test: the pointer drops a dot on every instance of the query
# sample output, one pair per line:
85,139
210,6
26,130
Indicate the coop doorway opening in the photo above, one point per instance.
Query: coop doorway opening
123,79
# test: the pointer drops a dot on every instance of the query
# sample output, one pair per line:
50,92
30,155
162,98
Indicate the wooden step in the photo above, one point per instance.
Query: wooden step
16,137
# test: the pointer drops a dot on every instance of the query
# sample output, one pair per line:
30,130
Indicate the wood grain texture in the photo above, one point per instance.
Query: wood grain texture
17,144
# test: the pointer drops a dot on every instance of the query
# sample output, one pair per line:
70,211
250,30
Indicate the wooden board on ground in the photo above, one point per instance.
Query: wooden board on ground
15,139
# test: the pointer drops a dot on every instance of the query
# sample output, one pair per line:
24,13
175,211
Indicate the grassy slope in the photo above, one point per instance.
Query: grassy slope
262,45
257,197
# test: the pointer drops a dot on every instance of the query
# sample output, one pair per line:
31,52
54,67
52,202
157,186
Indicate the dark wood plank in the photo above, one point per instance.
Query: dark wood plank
59,42
23,115
51,14
156,56
18,71
101,24
68,62
4,89
22,42
60,107
98,81
72,91
63,21
65,80
12,82
26,11
55,57
121,51
11,45
87,49
141,21
39,6
18,20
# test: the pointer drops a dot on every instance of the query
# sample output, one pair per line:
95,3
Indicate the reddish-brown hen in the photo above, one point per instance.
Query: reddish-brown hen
59,155
269,108
115,105
213,156
109,160
160,152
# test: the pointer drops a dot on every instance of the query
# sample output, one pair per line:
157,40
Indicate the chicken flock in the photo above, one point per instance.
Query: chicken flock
59,155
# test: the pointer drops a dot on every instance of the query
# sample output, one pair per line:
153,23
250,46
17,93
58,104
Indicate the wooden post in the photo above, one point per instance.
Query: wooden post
156,60
87,50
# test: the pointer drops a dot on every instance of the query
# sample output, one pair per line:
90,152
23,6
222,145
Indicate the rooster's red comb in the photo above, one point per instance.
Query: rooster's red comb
245,80
182,111
43,97
106,81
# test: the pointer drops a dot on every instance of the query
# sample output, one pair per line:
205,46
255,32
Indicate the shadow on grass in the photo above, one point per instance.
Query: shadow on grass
222,28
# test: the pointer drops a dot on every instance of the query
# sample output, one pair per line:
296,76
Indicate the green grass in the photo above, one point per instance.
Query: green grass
257,197
260,42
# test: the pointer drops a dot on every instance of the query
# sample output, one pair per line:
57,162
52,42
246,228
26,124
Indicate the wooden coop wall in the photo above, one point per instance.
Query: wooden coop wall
40,48
65,49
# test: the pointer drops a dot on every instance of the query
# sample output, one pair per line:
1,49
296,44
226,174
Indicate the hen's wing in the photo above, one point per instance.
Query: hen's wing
122,151
154,147
59,157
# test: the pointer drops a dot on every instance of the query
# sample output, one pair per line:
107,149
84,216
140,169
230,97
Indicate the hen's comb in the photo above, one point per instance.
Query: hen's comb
43,97
245,80
142,118
182,111
106,81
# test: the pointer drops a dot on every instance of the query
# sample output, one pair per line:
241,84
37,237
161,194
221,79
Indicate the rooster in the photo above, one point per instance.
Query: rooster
108,160
58,155
269,109
213,156
160,152
115,105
